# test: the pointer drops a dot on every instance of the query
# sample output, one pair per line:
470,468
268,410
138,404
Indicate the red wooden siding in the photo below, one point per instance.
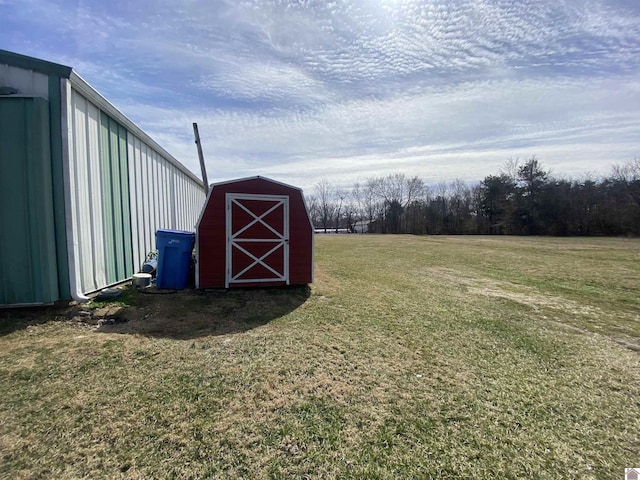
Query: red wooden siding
211,235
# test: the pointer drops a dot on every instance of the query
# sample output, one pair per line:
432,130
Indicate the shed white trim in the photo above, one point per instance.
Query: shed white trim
236,241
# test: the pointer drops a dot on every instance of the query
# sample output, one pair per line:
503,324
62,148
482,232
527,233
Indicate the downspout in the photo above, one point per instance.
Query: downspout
72,234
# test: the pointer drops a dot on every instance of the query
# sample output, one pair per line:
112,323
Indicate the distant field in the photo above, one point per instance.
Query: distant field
409,357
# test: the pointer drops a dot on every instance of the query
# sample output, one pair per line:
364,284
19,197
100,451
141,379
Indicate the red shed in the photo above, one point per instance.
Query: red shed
254,232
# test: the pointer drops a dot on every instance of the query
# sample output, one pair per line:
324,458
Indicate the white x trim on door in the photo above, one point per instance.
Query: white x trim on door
238,240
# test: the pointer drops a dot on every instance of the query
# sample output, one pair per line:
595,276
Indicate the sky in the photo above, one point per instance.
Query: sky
304,90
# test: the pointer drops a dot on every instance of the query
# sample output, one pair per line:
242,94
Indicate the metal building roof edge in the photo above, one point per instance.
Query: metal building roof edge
35,64
63,71
87,90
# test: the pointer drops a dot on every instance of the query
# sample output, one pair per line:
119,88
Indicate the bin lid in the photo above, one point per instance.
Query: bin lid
166,231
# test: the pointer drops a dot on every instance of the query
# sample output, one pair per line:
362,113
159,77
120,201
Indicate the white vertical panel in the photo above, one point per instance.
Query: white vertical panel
142,192
27,82
174,205
147,195
153,190
96,195
161,205
141,197
80,175
86,192
140,200
134,179
155,180
180,201
177,188
165,195
168,194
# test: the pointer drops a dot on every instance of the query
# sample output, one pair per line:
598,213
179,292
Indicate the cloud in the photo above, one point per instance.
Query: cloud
351,88
349,139
259,81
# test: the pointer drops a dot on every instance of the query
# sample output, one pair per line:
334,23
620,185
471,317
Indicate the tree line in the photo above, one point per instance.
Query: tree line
522,199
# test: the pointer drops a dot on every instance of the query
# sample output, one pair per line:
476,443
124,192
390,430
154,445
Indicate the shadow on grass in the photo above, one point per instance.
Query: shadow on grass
190,314
14,319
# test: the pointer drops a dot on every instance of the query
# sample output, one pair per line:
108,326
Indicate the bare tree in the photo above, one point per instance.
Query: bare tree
399,188
374,208
357,195
312,206
340,196
510,168
416,189
629,174
396,192
324,194
459,204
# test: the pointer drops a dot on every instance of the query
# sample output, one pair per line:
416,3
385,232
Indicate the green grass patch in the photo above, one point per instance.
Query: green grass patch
409,357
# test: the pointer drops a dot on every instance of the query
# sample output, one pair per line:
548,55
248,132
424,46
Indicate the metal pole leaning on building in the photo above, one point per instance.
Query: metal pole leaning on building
201,157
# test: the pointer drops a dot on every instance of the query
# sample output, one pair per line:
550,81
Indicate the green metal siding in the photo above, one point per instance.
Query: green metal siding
117,212
28,257
57,174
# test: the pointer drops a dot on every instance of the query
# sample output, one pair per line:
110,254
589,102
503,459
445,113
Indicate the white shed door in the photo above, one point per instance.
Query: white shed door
257,238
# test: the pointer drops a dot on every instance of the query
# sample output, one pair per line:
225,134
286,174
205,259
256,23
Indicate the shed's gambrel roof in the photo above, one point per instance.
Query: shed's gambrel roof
257,177
248,179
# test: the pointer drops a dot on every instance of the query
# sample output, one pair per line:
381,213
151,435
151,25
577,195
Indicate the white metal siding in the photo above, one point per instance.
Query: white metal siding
161,195
27,82
86,192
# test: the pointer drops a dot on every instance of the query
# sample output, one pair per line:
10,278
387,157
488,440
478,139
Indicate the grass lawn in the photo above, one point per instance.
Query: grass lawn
409,357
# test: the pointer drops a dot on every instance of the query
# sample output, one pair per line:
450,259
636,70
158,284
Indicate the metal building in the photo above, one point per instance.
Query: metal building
254,232
82,188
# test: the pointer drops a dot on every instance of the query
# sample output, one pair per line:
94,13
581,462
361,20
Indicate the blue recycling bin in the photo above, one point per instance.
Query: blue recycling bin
174,258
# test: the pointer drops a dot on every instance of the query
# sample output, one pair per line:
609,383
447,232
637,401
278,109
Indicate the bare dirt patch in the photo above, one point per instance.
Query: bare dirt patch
511,291
589,318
